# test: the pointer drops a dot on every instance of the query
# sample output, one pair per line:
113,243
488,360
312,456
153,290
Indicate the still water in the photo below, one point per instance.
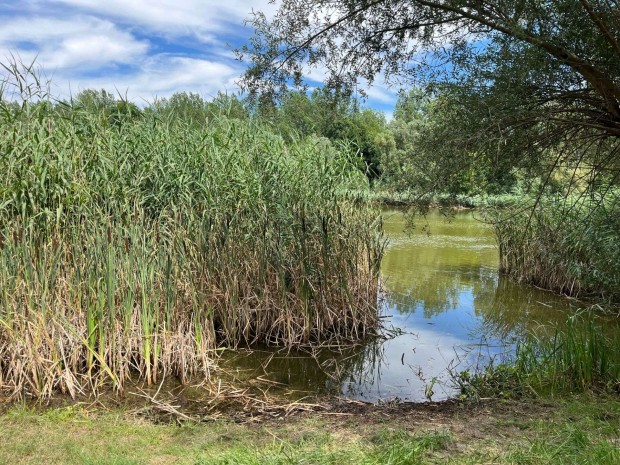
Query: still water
445,309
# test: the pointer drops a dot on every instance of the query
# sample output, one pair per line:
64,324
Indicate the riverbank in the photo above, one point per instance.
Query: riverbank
577,429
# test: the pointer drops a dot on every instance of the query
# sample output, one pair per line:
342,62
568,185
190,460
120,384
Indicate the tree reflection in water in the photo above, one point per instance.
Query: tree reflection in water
454,311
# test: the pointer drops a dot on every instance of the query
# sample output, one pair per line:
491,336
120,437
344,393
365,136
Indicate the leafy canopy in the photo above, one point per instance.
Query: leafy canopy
533,83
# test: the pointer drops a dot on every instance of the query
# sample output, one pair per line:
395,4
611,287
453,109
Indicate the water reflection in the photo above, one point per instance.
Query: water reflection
300,374
445,289
453,311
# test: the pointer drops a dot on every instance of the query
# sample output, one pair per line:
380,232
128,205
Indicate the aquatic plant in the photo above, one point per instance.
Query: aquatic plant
137,245
571,246
582,356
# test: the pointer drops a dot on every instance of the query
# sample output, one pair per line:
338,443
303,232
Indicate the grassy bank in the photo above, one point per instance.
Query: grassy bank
579,430
136,245
583,356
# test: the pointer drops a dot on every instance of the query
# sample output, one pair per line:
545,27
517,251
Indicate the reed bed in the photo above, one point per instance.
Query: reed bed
141,244
569,247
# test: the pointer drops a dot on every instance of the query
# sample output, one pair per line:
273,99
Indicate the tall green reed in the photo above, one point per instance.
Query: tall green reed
137,246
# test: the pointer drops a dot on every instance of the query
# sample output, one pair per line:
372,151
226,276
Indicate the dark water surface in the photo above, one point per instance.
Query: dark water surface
446,309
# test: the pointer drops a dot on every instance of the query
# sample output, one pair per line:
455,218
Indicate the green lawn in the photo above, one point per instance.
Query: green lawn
580,430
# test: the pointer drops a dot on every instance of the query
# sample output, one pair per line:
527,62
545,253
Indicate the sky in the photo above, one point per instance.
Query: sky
142,49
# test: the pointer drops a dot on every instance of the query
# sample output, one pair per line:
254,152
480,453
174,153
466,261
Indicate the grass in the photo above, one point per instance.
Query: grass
579,430
582,356
136,246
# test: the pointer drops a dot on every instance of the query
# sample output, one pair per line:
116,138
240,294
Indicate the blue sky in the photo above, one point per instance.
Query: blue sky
143,49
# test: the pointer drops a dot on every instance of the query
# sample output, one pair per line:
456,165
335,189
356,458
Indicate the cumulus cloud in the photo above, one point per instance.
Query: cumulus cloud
94,49
144,48
162,75
83,42
84,51
380,92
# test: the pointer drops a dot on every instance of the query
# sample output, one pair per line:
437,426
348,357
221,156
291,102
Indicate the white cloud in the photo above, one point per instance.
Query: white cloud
146,48
81,42
381,93
316,73
83,51
95,49
202,19
161,76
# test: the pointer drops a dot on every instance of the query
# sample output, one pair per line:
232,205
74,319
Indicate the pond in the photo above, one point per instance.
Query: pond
445,309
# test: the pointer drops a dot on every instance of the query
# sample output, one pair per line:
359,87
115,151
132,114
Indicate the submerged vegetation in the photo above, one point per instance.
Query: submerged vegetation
136,242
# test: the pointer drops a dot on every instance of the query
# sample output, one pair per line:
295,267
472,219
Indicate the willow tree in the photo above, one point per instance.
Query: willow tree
528,83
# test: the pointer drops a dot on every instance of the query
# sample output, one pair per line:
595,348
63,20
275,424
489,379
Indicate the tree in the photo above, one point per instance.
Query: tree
535,83
95,101
410,106
400,163
190,108
229,105
332,115
182,106
298,115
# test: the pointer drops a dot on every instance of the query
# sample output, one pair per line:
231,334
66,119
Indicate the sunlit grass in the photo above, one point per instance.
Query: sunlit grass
581,430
